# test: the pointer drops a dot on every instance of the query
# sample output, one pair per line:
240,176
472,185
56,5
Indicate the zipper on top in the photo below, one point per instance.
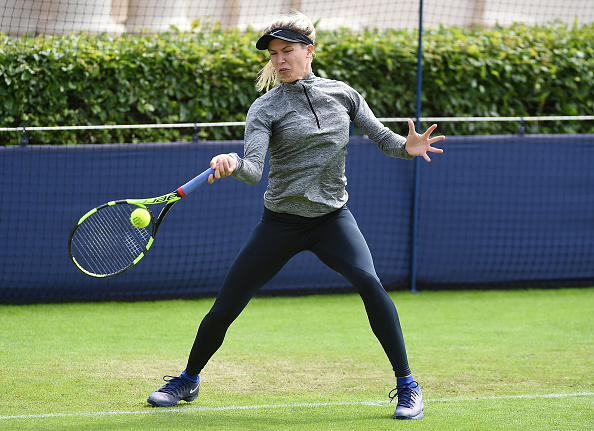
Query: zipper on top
311,106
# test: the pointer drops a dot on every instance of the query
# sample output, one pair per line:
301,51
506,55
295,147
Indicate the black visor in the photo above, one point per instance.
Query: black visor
285,34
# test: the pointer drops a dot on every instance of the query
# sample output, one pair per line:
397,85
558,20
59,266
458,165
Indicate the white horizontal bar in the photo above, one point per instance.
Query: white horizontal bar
242,123
518,119
126,126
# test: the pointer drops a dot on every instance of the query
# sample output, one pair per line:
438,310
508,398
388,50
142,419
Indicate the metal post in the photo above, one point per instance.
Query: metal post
195,136
24,140
415,211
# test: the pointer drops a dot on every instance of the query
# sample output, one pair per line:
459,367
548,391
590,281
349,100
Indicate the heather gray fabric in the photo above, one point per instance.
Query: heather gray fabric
305,127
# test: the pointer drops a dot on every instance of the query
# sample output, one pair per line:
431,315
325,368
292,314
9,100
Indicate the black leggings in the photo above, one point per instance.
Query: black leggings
337,241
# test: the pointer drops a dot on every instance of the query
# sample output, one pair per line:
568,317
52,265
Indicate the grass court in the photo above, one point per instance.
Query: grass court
486,360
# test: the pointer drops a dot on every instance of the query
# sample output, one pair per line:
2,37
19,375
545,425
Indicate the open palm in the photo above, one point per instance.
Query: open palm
419,145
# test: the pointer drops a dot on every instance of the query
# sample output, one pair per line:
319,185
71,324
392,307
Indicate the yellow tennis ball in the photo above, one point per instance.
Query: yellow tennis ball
140,217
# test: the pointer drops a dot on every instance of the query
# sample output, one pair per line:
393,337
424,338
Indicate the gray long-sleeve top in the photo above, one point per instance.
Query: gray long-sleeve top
305,127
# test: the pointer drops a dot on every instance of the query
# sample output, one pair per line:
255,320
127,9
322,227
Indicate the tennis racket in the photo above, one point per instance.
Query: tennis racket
104,243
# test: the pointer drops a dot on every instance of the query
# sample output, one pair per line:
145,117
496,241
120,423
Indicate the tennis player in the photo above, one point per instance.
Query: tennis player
303,122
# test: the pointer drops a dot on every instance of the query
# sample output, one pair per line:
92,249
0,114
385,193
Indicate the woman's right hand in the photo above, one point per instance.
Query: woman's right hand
223,165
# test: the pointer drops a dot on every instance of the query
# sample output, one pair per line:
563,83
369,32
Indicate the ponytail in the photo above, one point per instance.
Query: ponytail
267,77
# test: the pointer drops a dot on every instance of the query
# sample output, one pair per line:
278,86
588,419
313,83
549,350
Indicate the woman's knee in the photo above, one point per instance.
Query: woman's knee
221,319
366,283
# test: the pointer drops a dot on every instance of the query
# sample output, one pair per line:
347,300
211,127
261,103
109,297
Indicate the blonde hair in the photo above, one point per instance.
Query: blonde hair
294,20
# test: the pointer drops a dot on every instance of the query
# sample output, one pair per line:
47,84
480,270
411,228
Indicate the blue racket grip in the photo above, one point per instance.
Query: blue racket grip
194,183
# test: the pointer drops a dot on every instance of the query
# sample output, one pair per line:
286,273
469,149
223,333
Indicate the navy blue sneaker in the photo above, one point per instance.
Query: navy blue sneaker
410,401
176,389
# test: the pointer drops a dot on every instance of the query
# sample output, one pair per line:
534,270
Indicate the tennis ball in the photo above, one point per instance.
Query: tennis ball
140,217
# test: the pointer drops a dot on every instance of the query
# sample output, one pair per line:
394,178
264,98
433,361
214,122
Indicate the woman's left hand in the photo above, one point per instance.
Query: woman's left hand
419,145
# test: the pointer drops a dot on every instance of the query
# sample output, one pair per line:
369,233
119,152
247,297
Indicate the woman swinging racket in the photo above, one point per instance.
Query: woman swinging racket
303,122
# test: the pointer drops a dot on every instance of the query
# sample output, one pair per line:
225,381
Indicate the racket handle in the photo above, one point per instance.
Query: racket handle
194,183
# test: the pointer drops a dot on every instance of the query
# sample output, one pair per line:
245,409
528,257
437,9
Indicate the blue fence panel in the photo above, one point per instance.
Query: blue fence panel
493,212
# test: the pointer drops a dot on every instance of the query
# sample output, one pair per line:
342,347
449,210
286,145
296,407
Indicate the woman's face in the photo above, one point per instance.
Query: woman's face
292,61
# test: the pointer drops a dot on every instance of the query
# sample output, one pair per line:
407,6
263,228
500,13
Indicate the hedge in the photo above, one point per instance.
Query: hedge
208,76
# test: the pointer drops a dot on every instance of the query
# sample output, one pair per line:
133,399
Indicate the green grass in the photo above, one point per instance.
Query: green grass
486,360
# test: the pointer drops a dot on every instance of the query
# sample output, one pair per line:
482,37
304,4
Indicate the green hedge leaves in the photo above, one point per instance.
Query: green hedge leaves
209,76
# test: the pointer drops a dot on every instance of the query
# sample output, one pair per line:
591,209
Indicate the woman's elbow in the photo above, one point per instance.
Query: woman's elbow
253,179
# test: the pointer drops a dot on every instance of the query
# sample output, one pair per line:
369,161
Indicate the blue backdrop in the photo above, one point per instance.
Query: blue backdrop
504,211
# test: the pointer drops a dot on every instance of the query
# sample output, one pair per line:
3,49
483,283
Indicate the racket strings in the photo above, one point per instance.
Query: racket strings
107,242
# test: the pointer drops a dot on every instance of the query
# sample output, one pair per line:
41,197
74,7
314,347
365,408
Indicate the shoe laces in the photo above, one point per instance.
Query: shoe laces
405,394
174,385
